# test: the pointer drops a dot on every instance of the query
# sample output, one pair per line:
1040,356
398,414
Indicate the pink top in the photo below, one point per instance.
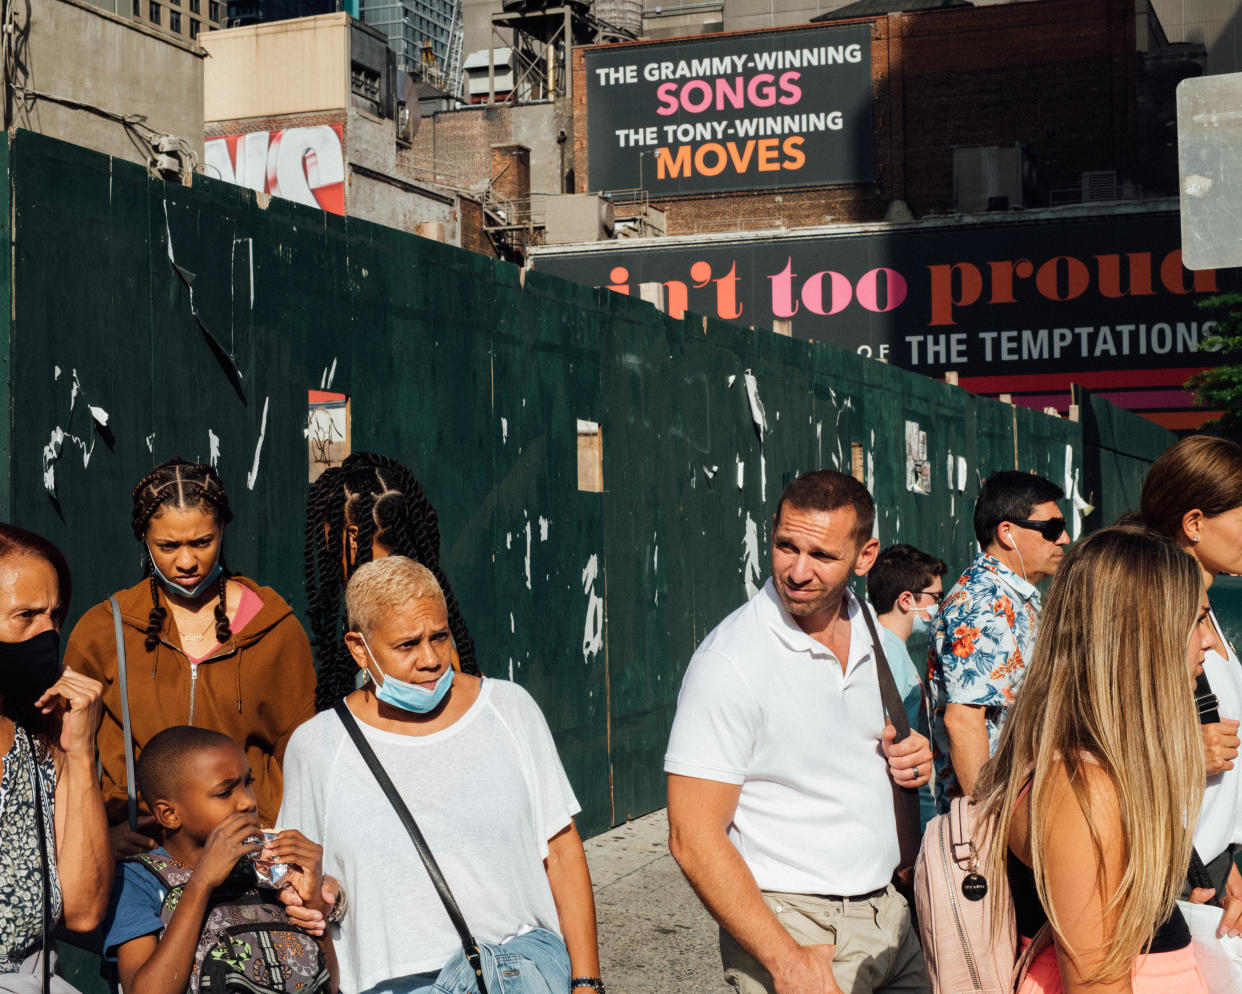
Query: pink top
251,604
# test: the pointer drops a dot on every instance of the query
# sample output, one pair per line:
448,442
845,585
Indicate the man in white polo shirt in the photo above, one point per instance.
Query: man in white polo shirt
780,801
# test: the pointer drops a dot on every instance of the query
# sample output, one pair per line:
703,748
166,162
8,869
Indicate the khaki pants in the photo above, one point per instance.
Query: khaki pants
877,948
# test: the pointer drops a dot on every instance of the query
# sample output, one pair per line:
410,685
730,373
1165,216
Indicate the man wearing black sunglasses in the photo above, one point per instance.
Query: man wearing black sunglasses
986,625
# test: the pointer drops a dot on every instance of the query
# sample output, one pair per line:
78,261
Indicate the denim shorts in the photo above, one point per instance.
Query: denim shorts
533,963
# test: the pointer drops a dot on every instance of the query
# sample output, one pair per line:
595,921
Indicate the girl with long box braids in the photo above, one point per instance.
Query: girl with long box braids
202,647
367,508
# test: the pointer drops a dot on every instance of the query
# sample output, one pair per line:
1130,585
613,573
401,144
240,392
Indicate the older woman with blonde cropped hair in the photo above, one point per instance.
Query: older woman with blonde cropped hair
474,760
1098,776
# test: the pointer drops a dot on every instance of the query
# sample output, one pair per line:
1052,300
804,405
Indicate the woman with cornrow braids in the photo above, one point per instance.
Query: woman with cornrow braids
367,508
202,647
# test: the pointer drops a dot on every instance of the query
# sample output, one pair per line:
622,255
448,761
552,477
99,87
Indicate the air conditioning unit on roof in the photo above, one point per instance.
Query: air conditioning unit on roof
1099,184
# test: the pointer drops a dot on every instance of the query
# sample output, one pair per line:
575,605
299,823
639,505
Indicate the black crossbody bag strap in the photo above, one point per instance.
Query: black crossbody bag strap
893,703
468,943
36,783
1209,714
126,728
905,800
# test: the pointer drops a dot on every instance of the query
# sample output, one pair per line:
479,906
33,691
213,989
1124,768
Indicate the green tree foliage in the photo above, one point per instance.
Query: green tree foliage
1220,387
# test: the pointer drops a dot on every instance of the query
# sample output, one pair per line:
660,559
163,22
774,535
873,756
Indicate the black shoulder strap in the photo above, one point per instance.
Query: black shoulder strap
1209,714
893,703
36,784
126,730
1205,701
905,800
468,943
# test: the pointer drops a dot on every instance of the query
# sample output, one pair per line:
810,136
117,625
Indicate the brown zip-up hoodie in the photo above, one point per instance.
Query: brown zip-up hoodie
256,688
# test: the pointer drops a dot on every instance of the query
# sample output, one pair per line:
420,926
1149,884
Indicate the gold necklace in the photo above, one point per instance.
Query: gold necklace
187,637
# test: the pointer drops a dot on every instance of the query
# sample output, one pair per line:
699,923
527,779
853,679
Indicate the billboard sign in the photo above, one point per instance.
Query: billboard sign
1012,308
305,165
773,110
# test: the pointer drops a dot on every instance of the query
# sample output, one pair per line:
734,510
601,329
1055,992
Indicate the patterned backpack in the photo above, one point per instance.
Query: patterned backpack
248,944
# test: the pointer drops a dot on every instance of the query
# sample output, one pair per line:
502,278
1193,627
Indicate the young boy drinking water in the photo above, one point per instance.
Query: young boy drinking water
192,916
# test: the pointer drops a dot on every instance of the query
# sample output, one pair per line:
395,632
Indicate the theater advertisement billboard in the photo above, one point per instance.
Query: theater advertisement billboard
771,110
1024,308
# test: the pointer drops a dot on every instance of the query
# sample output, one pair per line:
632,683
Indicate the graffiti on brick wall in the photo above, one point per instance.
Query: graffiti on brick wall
305,165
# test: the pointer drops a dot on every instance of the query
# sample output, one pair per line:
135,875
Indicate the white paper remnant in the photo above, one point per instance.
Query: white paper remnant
757,414
527,561
253,475
593,630
918,468
752,570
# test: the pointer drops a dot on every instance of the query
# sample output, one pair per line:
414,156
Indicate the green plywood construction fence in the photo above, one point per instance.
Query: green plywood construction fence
149,320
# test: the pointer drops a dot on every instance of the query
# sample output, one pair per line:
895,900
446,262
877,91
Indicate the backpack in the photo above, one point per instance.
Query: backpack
248,944
971,946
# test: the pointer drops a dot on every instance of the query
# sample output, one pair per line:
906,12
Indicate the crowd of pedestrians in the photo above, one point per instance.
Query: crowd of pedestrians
214,805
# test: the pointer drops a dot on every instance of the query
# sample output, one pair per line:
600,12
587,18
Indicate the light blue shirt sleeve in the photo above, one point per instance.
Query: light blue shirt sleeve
904,675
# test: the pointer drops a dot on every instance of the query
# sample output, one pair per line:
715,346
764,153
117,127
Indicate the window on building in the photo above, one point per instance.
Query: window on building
174,21
195,6
213,10
137,8
193,28
155,12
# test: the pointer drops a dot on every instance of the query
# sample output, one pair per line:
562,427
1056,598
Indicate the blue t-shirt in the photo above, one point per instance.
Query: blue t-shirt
909,686
134,908
911,689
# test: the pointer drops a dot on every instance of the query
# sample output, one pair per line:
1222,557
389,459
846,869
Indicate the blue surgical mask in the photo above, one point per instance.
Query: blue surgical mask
923,626
410,696
203,585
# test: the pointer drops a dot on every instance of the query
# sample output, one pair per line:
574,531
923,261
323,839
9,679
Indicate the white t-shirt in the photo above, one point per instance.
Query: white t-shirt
488,793
1220,817
765,706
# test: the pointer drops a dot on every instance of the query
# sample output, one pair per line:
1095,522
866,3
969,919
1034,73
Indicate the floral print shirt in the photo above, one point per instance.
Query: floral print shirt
21,865
977,655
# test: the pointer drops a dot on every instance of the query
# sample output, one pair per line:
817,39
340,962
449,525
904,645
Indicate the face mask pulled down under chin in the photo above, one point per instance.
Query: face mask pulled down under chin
409,696
28,668
189,592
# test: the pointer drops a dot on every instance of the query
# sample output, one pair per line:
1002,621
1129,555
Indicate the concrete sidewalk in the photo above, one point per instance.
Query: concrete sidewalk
655,937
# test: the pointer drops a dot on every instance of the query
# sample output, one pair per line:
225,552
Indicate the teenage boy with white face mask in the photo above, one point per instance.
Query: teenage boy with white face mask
905,586
474,761
985,629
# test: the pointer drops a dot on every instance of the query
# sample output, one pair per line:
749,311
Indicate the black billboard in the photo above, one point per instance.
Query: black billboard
1021,308
742,112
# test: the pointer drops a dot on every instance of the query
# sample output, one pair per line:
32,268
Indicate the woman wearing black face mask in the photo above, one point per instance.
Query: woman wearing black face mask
53,832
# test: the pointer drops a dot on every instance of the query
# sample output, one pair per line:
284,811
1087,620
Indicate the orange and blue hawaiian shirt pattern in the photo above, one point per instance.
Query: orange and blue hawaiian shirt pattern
977,655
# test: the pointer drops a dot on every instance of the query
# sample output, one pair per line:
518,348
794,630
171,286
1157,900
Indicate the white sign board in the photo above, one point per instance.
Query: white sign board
1209,154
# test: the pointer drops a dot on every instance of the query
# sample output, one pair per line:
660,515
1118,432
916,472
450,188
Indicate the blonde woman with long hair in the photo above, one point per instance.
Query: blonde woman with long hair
1098,776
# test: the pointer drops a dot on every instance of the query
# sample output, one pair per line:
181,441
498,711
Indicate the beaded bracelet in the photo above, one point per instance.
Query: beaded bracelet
593,982
340,907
